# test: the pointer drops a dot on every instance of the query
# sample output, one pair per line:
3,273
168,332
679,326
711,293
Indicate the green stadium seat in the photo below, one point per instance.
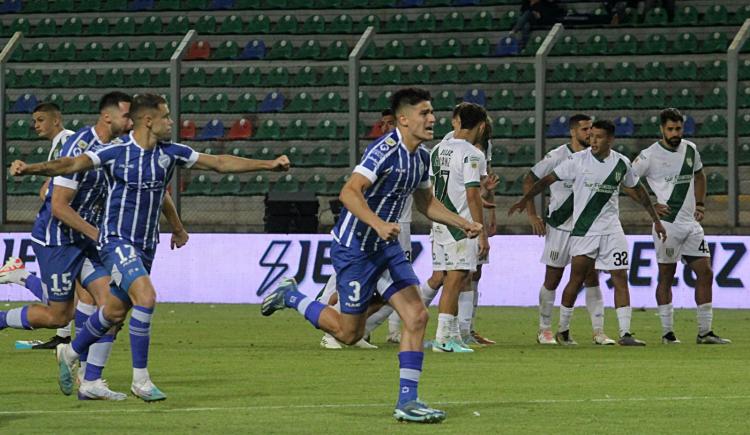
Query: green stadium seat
336,50
146,50
316,184
622,99
743,154
453,22
388,75
287,24
714,155
393,50
447,74
295,156
624,72
222,77
717,42
263,153
231,25
206,24
303,102
419,74
167,50
124,26
259,24
653,99
503,99
341,24
59,78
532,46
596,44
500,156
73,26
305,77
656,17
716,184
20,130
86,78
482,20
229,185
98,27
161,78
217,103
268,130
314,24
363,101
506,72
655,44
650,128
46,27
36,6
365,75
743,99
713,126
308,50
114,5
195,76
286,183
562,100
525,129
256,186
190,103
686,16
278,76
445,100
370,51
227,50
319,157
683,98
150,26
449,48
425,23
595,72
20,25
250,76
246,103
567,46
118,52
340,159
65,52
422,49
593,99
140,77
685,43
442,127
503,128
199,186
113,78
480,47
37,155
330,102
741,14
743,125
524,156
32,78
364,23
335,187
564,72
280,50
326,129
685,70
39,52
334,76
527,101
178,25
477,73
714,71
508,20
11,79
398,23
716,15
61,6
80,103
383,101
92,52
654,71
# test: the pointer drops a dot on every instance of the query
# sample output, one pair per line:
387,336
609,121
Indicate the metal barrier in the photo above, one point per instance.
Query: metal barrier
4,56
732,69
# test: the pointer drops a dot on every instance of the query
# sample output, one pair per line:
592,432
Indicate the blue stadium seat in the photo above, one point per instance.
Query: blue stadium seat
11,7
476,96
24,104
273,102
624,127
411,3
213,130
221,5
558,127
507,46
141,5
255,49
688,126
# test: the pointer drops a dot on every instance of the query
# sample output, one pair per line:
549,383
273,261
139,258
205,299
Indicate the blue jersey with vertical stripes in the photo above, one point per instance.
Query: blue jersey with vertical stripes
88,200
136,181
395,174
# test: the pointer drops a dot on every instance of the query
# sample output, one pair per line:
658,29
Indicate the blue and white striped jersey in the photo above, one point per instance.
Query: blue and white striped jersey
395,174
136,180
89,198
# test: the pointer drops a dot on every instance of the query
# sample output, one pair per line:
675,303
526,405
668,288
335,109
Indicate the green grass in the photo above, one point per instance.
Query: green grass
227,369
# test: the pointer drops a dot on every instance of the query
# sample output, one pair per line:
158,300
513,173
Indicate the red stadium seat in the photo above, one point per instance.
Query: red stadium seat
199,50
187,131
241,129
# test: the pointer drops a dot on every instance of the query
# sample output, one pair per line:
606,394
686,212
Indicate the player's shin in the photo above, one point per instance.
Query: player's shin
595,306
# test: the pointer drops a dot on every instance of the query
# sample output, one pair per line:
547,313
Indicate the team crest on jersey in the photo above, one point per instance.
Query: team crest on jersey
384,147
670,252
164,161
689,162
618,176
554,255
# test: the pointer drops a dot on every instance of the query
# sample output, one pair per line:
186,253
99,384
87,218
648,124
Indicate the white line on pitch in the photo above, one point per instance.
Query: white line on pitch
370,405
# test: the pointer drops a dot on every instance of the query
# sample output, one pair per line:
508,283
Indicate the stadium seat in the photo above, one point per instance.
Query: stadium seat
24,104
20,130
442,127
525,128
150,26
503,128
686,16
655,44
273,102
222,77
593,99
326,129
73,26
367,21
46,27
228,185
245,103
199,186
206,25
398,23
394,49
178,25
199,50
86,78
503,99
562,100
31,78
190,103
654,71
557,128
231,25
187,130
333,76
146,50
714,155
113,78
476,73
383,101
685,43
256,186
211,131
305,77
595,72
653,99
217,103
419,74
743,154
481,21
295,156
624,72
650,128
444,100
447,74
161,78
340,159
568,46
449,48
59,78
35,6
319,157
716,184
622,99
123,26
20,24
300,103
388,75
114,6
717,42
595,45
39,52
524,156
98,27
743,125
714,71
713,126
218,5
268,130
336,50
118,52
564,72
532,46
227,50
716,15
743,99
37,155
278,76
258,24
421,49
167,50
425,23
741,14
656,17
363,101
330,102
527,101
624,127
255,49
476,96
365,75
316,184
683,98
507,46
280,50
286,24
453,22
195,76
341,24
286,183
688,126
480,47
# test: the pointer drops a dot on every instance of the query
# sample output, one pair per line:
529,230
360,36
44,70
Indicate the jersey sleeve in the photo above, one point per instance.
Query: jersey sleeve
424,179
631,177
70,148
544,167
183,154
640,164
104,155
566,170
371,166
473,166
698,165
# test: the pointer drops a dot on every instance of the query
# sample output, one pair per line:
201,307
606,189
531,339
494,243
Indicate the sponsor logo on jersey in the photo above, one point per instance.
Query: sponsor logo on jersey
390,141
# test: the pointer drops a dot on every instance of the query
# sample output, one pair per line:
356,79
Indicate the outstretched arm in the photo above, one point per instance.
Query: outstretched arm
226,163
435,211
640,195
61,166
536,189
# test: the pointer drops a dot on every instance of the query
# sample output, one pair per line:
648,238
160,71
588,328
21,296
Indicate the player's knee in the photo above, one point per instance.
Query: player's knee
350,337
418,321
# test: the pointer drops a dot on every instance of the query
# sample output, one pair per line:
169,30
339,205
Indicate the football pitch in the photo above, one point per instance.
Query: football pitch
226,369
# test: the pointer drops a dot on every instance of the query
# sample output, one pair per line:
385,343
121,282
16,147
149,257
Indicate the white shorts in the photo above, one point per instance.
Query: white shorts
460,255
404,239
556,248
682,240
610,250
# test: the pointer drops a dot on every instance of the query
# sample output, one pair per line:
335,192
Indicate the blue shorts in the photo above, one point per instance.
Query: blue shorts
60,266
357,274
127,264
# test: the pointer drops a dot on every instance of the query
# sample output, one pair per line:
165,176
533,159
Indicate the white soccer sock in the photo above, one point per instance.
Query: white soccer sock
428,293
666,314
377,318
140,375
455,330
595,305
475,290
546,303
623,319
465,311
443,332
65,332
705,318
565,315
394,323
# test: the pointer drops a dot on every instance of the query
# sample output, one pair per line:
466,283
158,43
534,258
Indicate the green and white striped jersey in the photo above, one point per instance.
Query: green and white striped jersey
560,213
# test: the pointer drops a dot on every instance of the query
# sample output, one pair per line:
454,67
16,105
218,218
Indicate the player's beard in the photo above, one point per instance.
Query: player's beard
674,142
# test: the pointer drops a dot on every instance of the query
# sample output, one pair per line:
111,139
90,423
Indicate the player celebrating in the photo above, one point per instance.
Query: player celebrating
365,246
559,224
137,172
673,168
597,239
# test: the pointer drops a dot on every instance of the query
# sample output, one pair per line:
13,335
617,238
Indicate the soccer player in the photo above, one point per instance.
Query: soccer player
556,232
137,172
673,168
365,246
597,240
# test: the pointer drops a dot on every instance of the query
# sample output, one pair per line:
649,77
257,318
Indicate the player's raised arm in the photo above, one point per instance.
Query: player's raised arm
61,166
435,211
353,198
227,164
536,189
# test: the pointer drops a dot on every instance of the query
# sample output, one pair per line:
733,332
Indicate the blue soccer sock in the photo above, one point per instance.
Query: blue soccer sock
308,307
140,335
94,329
16,318
34,284
410,365
98,356
83,311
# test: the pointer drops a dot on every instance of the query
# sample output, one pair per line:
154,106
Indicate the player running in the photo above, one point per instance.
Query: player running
673,168
597,240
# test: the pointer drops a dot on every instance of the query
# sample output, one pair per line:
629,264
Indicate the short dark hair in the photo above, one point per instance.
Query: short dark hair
47,107
606,125
484,141
670,114
409,96
471,115
113,99
386,112
143,102
577,119
457,108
